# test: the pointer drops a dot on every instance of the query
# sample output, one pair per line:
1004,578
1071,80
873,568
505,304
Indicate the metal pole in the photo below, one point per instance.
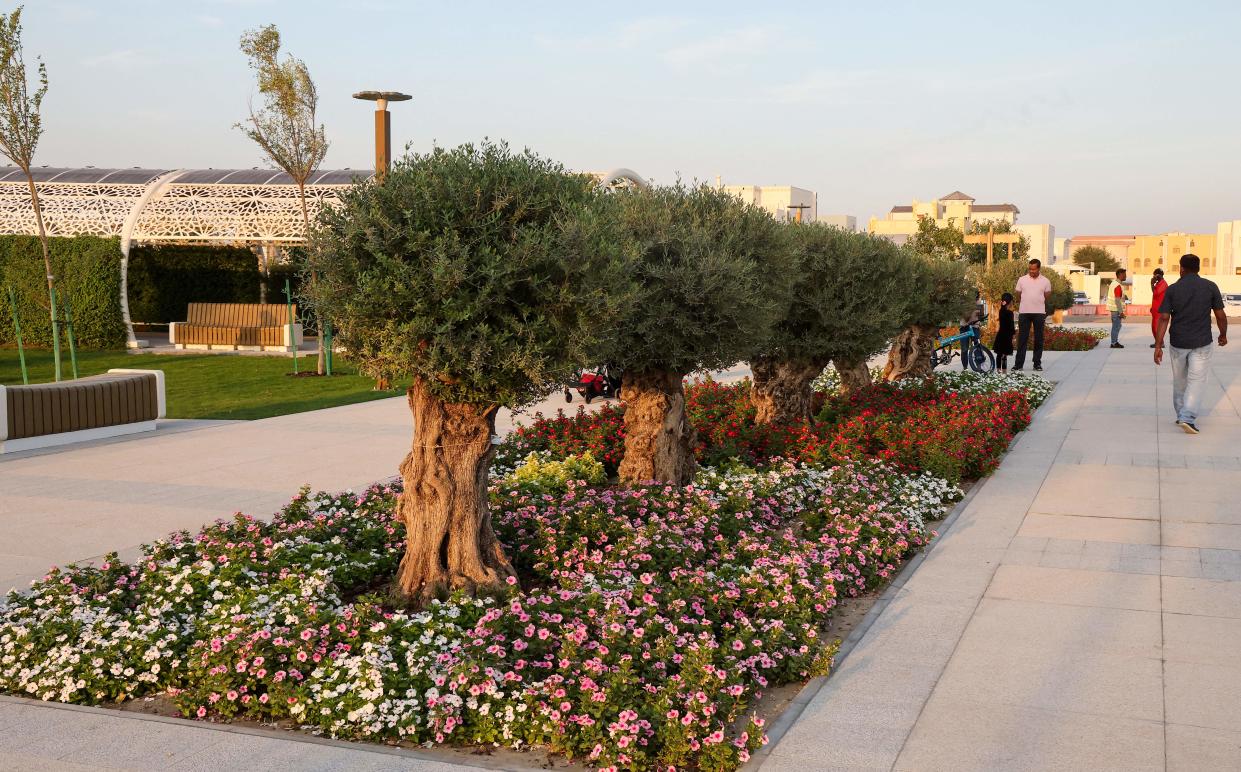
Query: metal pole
288,301
73,349
17,329
383,139
327,345
55,332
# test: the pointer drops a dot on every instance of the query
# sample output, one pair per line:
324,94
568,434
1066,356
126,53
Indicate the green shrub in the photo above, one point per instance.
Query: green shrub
164,279
543,474
88,275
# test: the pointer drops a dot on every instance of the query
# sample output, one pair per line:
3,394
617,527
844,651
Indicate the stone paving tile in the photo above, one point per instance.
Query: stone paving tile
1076,587
1054,674
848,734
961,737
1209,535
1195,748
1202,640
1203,597
1203,695
1096,529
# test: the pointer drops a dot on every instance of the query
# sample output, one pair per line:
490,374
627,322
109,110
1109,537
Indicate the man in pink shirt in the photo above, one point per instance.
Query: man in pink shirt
1032,292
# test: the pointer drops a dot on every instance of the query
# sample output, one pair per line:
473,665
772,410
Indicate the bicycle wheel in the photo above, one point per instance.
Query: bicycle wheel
981,359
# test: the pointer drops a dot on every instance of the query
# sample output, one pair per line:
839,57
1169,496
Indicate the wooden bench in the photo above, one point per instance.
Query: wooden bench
118,402
237,326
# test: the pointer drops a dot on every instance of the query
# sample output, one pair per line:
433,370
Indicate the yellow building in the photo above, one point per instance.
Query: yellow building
957,209
1164,250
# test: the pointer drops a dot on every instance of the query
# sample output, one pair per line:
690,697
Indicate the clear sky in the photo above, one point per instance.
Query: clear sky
1095,116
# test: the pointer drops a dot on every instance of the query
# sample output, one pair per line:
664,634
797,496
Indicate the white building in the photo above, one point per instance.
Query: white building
1228,248
846,222
1042,239
783,201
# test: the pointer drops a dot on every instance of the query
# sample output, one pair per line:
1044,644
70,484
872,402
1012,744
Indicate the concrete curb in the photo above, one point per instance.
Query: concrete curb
428,755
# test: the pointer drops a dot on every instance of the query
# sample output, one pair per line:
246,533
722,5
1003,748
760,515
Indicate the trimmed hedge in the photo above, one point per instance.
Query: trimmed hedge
88,273
164,279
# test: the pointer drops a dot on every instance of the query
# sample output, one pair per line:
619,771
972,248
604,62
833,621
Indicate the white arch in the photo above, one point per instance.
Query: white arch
127,235
626,175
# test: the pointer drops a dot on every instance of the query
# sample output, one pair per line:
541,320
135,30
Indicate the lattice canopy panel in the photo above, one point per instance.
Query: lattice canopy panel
171,206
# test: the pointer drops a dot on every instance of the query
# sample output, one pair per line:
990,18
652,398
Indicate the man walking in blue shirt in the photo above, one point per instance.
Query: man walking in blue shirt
1186,310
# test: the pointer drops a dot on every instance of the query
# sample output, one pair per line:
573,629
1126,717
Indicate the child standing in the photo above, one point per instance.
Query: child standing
1004,336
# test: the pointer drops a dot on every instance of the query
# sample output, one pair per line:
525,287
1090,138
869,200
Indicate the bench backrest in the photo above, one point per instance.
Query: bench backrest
87,403
239,314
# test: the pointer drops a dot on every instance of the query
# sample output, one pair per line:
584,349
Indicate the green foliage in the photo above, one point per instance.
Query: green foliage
1003,278
1102,259
284,127
943,292
847,298
705,278
976,254
89,277
543,474
469,268
944,243
20,122
165,279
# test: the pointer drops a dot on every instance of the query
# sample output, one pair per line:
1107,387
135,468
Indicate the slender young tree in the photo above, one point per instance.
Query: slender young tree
285,126
706,278
20,128
847,302
474,271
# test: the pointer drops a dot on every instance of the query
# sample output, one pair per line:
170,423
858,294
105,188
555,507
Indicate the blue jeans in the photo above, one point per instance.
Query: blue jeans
1117,317
1189,375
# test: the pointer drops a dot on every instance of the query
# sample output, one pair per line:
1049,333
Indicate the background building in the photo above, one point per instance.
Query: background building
957,209
779,200
848,222
1142,254
1042,240
1228,248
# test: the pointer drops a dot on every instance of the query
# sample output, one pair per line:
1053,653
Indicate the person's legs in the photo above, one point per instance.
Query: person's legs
1116,317
1180,361
965,348
1039,320
1023,337
1002,365
1197,364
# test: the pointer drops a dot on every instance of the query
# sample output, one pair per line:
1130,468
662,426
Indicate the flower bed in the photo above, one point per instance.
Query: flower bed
1057,338
646,623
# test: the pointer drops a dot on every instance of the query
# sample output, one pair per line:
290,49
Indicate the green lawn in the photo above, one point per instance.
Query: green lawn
216,386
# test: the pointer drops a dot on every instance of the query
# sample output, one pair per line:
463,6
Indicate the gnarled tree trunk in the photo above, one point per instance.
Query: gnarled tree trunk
910,356
451,544
782,389
659,442
854,375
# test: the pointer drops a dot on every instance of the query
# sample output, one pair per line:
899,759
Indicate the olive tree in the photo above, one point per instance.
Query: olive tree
470,270
705,279
942,295
847,302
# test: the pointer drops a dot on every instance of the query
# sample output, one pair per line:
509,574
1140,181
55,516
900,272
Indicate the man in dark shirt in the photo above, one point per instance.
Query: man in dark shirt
1187,308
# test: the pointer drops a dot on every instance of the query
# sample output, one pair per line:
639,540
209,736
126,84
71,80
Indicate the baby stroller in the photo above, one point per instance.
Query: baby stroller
603,382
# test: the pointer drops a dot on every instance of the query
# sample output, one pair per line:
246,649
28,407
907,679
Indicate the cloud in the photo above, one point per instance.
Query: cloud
746,41
125,59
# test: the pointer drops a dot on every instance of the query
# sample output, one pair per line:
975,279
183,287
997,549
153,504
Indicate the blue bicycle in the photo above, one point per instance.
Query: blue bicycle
979,358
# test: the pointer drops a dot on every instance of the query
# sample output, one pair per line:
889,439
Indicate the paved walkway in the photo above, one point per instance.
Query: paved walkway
1084,610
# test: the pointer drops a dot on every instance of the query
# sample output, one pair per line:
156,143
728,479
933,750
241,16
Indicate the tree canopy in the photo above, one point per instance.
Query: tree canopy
944,293
847,298
474,268
705,278
1102,259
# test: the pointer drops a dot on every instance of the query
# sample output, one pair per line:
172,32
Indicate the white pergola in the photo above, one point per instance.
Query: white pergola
181,206
254,207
